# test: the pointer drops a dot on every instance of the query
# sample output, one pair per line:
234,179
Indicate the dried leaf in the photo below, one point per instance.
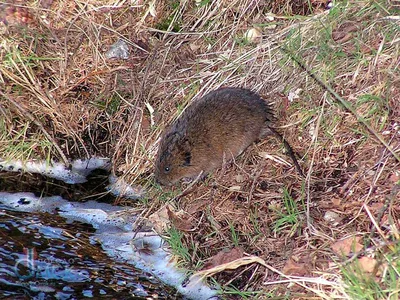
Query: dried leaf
146,126
160,219
294,268
223,257
194,47
197,206
377,206
344,32
15,15
336,201
239,178
332,217
347,246
46,3
235,188
233,265
151,111
341,37
180,220
270,17
293,95
394,178
367,264
152,9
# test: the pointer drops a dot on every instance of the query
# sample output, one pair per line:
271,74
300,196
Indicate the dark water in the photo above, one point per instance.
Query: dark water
41,261
43,257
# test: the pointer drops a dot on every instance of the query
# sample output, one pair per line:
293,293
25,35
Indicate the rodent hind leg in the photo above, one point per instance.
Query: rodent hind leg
265,131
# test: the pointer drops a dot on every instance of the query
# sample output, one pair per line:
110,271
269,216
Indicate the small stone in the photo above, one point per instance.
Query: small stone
234,188
119,50
239,178
270,17
332,217
253,35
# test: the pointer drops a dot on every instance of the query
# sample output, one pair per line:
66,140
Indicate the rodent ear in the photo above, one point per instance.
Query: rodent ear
186,145
188,157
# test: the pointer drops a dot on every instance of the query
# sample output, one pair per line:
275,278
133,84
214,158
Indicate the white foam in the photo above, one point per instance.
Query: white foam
119,187
76,174
28,202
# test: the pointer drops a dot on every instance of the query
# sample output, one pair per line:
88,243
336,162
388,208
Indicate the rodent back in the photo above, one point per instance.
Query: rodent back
225,114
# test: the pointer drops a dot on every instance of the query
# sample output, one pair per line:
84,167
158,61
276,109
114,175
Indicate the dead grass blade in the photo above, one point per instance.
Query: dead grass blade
39,125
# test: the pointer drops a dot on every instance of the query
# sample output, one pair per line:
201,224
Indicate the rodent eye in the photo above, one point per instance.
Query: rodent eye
167,169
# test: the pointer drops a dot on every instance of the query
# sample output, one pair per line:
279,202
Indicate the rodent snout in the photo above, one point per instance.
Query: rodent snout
163,182
161,179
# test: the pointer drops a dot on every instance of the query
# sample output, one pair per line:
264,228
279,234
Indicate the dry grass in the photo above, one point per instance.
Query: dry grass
54,68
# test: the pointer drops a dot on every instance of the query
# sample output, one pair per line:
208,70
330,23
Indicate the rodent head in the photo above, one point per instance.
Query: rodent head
174,159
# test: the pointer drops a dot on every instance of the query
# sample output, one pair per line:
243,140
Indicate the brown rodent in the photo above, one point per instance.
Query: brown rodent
214,129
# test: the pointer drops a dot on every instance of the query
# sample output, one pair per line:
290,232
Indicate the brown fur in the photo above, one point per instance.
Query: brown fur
217,127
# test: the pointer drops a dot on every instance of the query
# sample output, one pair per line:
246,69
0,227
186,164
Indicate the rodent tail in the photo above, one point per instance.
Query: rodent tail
289,150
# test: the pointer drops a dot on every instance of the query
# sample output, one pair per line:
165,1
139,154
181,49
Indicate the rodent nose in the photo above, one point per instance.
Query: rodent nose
160,181
157,180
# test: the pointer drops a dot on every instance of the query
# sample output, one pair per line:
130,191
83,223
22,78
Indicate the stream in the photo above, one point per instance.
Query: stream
45,256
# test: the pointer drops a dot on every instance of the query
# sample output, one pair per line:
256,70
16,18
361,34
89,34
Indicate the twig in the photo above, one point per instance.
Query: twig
308,177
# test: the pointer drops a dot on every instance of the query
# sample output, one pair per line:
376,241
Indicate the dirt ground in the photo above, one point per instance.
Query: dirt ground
331,72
